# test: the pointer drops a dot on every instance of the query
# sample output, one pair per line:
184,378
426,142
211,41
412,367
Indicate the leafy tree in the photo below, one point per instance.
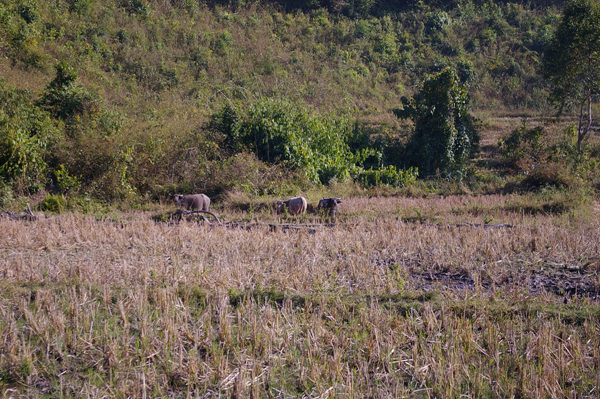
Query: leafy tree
26,132
92,148
572,62
444,136
66,98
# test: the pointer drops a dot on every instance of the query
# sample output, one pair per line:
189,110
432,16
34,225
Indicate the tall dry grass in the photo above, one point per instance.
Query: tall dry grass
395,301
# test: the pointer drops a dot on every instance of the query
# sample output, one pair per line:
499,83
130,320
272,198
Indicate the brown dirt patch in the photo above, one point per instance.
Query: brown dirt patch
564,280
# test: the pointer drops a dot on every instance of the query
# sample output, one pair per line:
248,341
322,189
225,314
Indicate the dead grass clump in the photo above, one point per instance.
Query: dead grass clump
241,201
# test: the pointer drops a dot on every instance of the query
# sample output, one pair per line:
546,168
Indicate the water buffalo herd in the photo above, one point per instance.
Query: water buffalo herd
294,206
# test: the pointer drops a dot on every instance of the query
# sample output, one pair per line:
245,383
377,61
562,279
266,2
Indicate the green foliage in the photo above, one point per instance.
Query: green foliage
388,176
548,160
26,131
65,181
81,7
244,173
523,142
278,132
223,46
20,33
53,203
444,136
23,159
6,194
114,183
136,7
92,148
436,21
572,62
65,98
546,176
28,11
324,149
223,43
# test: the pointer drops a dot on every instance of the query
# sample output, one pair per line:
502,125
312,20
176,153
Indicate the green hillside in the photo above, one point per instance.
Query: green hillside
134,99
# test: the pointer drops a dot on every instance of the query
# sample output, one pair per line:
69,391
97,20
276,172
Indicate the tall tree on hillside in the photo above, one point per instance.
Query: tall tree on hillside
65,97
572,62
444,136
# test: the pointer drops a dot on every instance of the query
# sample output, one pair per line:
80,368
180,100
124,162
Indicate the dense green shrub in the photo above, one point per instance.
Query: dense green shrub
140,8
243,172
53,203
92,147
523,143
547,175
26,132
387,176
548,159
28,10
444,136
66,182
279,132
65,98
6,194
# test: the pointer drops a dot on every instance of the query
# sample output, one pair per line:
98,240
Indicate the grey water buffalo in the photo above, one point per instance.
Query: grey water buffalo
194,202
329,205
295,206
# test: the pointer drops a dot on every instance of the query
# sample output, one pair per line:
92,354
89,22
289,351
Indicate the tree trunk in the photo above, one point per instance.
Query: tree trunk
583,132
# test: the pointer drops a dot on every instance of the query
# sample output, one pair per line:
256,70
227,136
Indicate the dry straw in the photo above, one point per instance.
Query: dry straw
405,297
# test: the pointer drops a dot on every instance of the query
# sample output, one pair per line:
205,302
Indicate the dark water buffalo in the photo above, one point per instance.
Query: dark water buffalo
295,206
329,205
194,202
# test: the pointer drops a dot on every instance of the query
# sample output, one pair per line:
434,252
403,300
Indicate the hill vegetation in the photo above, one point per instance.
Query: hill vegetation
130,100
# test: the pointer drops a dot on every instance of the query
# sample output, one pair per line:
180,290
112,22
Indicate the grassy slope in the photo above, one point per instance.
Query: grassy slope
170,66
196,56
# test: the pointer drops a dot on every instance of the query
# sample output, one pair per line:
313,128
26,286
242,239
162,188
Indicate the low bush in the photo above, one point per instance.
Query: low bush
26,133
53,203
244,172
548,175
523,144
387,176
65,181
545,158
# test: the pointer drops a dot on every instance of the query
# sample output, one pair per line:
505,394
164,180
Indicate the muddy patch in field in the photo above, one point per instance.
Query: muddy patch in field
581,281
568,280
435,280
567,283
